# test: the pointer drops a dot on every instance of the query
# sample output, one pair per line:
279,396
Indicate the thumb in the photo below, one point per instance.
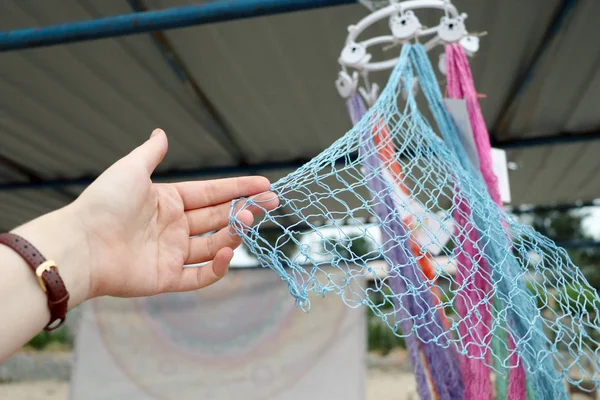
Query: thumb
152,152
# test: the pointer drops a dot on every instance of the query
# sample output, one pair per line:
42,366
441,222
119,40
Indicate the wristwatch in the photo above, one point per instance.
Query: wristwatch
47,275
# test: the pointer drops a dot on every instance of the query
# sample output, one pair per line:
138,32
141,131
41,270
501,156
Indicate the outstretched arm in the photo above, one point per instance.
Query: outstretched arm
127,237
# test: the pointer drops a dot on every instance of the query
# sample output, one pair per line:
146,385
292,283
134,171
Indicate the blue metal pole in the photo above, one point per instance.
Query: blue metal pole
179,17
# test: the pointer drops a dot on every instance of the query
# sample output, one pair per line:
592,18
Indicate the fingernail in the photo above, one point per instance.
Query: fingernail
155,132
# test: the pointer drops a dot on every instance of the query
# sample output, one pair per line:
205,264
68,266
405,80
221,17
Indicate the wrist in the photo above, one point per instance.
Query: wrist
59,237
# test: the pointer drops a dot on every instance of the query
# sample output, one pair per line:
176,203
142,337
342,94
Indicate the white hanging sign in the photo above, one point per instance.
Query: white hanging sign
458,110
499,165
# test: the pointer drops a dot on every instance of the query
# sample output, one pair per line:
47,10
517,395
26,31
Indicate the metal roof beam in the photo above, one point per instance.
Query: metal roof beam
579,244
150,21
561,138
563,207
33,177
244,169
250,169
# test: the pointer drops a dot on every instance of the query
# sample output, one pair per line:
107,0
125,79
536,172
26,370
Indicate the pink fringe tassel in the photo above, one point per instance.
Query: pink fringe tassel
476,373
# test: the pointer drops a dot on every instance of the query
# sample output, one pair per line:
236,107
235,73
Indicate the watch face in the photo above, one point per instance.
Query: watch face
240,338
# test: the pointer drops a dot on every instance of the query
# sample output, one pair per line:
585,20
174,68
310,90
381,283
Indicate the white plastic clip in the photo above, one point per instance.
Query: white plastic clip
452,30
370,96
346,85
442,63
470,44
404,26
354,55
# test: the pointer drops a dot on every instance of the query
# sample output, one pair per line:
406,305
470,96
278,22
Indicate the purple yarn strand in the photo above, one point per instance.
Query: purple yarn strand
419,301
356,109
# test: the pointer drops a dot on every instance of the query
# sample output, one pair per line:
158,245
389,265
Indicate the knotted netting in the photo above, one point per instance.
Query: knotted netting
416,204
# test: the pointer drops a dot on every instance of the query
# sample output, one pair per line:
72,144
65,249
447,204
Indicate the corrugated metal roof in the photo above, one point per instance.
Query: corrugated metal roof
70,111
24,205
88,104
561,95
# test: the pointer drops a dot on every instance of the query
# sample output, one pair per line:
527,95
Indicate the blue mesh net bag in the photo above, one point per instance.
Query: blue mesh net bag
405,194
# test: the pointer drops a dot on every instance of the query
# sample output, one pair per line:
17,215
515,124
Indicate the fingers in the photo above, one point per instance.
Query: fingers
205,248
216,248
152,152
199,277
208,193
207,219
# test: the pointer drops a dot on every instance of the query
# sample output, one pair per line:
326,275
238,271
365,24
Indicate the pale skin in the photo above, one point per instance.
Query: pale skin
126,236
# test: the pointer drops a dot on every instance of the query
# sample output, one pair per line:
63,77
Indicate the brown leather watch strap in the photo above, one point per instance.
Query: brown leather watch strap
47,275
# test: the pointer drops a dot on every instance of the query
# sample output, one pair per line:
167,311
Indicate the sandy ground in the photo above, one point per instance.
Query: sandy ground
382,385
390,385
36,390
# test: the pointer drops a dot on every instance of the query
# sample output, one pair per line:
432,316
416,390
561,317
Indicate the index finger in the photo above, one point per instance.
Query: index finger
208,193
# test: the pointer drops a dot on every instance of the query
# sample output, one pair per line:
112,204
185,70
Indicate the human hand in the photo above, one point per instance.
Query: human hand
137,233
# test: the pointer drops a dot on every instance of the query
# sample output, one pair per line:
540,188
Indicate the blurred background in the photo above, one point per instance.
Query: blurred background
256,95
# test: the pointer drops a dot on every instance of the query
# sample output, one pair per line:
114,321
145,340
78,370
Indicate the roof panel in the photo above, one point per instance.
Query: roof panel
30,119
23,205
8,174
580,177
586,112
556,165
555,174
571,62
274,85
106,96
514,30
74,109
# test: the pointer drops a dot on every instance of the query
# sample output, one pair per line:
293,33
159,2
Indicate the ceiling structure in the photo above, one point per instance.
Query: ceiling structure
257,95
